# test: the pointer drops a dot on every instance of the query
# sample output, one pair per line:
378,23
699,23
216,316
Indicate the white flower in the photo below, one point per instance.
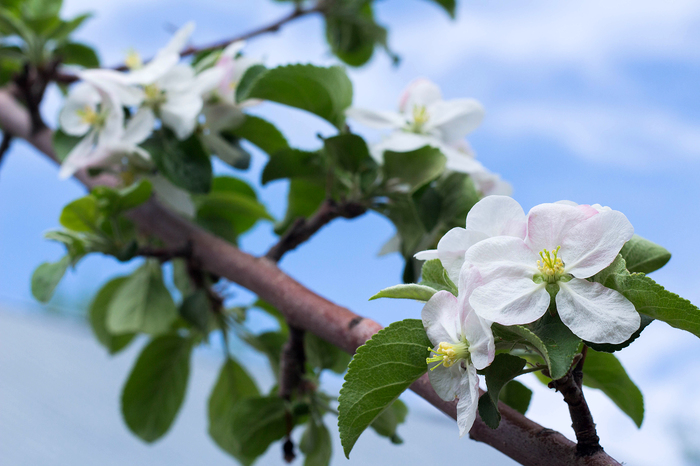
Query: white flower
233,68
425,119
463,343
491,216
98,116
565,244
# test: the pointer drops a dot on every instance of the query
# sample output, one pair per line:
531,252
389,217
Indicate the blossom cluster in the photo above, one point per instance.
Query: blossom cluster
115,111
511,268
425,119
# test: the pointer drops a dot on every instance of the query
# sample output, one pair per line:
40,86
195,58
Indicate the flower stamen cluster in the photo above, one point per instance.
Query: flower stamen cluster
449,354
550,266
420,118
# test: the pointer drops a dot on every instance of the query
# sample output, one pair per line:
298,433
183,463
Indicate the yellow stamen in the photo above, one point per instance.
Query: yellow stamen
88,115
133,60
551,267
448,354
420,118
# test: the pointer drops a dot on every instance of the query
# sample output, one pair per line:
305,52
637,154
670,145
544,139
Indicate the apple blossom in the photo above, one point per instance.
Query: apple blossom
463,344
425,119
491,216
98,116
565,244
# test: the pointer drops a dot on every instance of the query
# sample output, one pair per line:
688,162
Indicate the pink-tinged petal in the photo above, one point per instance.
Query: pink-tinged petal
453,246
502,256
233,48
452,120
592,245
376,119
140,126
476,330
498,216
596,313
548,224
419,93
440,317
510,301
491,184
468,400
446,380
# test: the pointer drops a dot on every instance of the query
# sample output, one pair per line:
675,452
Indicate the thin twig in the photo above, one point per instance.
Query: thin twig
303,229
571,387
274,27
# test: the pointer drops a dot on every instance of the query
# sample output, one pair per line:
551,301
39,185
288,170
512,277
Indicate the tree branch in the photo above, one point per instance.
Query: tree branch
571,386
297,13
303,229
517,436
5,145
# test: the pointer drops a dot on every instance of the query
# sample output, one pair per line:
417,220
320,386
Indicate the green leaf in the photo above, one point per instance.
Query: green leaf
304,198
386,423
185,163
449,5
641,255
411,170
435,276
650,298
349,151
258,422
260,132
238,210
63,144
270,344
196,309
41,8
75,243
352,33
550,338
46,277
134,195
156,386
74,53
325,92
323,355
248,80
604,371
233,385
379,372
229,152
316,445
80,215
408,291
516,395
97,316
65,28
293,163
181,277
504,368
142,304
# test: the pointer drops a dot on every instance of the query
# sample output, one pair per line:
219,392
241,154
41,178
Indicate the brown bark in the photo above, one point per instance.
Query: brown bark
517,436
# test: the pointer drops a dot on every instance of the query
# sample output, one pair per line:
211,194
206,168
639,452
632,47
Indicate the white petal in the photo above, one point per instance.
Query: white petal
140,126
117,84
440,317
426,255
208,80
446,380
502,256
376,119
394,245
233,48
419,93
398,141
81,97
592,245
596,313
240,66
491,184
468,400
452,247
179,39
548,224
454,119
510,301
154,69
84,154
458,160
498,216
113,129
180,78
180,114
476,330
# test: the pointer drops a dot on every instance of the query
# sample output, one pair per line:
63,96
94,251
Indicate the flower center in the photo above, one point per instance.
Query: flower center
154,96
420,118
133,60
448,354
550,266
88,115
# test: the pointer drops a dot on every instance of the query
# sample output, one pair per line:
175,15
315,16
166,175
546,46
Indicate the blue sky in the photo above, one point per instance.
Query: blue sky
595,102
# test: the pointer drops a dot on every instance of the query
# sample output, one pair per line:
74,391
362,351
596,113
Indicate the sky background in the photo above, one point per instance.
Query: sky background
595,102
